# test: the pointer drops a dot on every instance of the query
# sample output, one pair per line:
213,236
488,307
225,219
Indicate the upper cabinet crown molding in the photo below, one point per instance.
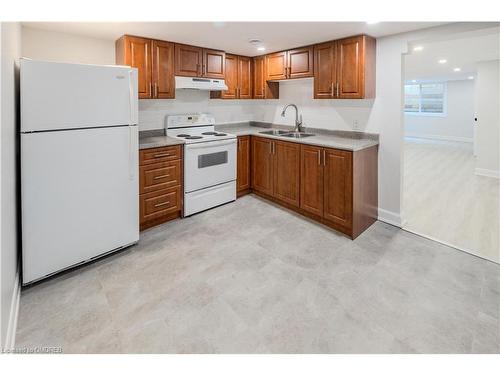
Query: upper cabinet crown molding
296,63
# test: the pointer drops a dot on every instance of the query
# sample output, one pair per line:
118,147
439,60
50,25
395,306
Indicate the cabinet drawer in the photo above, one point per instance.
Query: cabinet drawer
159,176
159,203
159,154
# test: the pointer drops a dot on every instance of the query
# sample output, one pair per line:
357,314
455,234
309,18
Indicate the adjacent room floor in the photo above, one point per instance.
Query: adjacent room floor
445,200
252,277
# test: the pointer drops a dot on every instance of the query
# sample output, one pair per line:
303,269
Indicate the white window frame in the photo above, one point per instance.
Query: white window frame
429,114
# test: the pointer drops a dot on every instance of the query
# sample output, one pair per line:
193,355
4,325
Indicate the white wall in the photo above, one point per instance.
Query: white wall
456,125
10,51
53,46
487,99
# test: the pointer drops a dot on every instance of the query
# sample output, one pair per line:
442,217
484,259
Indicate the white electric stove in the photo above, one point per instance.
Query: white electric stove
209,161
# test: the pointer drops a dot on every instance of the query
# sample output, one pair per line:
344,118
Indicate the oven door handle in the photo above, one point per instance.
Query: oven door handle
210,144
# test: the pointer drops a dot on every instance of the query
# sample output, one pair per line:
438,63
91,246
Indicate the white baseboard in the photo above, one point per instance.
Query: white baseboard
10,339
487,172
440,137
389,217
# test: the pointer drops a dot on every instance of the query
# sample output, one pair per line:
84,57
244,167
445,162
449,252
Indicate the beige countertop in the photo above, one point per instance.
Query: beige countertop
156,138
344,140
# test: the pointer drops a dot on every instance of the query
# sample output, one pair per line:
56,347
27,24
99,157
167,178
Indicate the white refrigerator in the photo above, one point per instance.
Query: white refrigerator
79,164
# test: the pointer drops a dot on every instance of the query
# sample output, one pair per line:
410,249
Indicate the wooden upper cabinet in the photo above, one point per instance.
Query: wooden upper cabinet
356,67
300,62
338,187
136,52
296,63
188,60
276,66
286,172
163,70
238,78
345,69
213,63
245,77
231,79
261,88
325,70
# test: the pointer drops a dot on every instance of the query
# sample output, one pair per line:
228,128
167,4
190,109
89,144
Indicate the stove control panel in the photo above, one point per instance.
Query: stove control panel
189,120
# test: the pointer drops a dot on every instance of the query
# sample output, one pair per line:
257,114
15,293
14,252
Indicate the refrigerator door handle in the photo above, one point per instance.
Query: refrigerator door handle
131,98
131,151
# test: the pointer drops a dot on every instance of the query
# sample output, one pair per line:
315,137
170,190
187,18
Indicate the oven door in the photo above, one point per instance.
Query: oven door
209,163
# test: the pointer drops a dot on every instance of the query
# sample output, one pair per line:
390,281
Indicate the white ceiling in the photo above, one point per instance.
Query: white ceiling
234,37
463,53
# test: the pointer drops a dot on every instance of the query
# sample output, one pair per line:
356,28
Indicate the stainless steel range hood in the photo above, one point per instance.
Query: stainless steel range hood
200,83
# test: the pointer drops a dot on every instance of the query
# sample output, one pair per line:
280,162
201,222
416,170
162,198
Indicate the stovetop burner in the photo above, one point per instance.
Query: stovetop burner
220,134
209,133
183,135
194,137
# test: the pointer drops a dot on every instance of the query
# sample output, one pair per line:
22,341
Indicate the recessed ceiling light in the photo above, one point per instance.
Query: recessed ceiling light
261,48
456,69
371,22
442,61
418,48
470,77
414,80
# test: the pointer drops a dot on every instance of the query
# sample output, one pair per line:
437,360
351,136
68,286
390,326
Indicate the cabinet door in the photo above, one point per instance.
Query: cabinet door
163,70
311,179
231,78
262,165
243,164
245,77
258,77
350,68
136,52
213,63
276,66
338,187
261,88
286,170
324,70
300,63
188,60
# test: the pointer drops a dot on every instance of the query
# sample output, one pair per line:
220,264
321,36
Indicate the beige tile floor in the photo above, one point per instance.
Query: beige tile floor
251,277
445,200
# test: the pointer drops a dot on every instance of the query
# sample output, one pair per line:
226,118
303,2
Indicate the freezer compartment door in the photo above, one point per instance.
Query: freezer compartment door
79,194
69,96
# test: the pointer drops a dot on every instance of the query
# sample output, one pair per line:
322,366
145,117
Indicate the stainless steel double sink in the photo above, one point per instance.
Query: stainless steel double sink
286,133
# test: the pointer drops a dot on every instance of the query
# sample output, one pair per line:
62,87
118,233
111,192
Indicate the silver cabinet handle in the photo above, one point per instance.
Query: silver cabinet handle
331,90
324,157
319,157
156,90
162,204
161,155
270,147
160,177
338,86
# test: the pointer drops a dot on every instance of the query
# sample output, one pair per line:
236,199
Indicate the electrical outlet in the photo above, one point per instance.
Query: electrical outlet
355,125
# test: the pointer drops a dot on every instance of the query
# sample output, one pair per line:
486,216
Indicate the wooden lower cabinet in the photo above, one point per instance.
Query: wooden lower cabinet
286,168
311,174
243,166
335,187
262,165
160,185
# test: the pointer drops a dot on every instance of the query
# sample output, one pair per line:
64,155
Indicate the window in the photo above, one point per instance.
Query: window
426,99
